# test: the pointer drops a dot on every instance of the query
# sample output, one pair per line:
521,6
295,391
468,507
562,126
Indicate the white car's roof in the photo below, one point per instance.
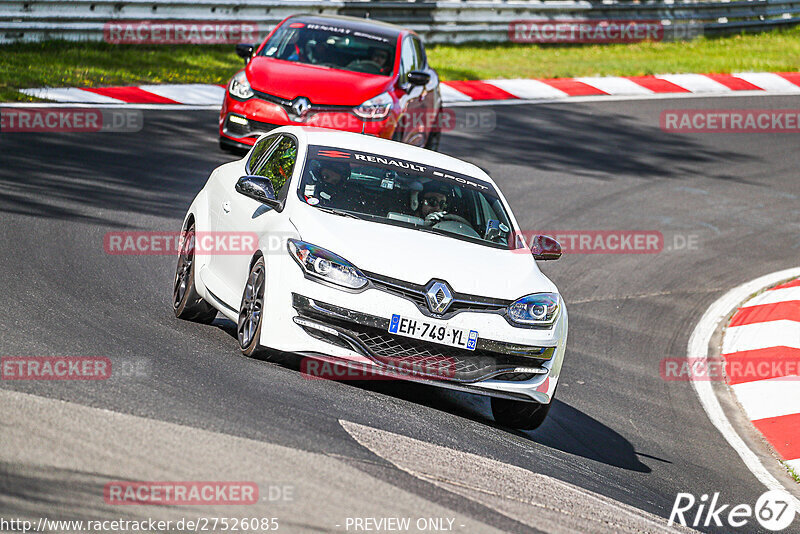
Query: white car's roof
384,147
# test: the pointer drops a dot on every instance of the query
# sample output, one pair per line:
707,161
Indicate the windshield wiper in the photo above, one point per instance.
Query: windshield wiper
339,212
437,231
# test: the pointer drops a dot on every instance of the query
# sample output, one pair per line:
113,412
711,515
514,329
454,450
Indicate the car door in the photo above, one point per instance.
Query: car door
219,203
411,128
243,216
431,99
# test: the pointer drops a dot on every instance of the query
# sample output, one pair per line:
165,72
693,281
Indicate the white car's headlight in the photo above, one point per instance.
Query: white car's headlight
240,87
375,108
325,265
539,309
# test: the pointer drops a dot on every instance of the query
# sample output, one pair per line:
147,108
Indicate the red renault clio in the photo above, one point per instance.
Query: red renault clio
334,72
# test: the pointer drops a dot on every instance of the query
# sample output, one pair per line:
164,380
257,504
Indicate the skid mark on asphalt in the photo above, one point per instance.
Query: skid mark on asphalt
645,295
533,499
57,456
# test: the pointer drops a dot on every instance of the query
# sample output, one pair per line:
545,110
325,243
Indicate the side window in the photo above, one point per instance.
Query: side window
278,165
485,211
259,151
408,59
419,52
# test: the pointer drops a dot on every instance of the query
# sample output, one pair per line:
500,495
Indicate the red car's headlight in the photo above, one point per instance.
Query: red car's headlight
375,108
240,87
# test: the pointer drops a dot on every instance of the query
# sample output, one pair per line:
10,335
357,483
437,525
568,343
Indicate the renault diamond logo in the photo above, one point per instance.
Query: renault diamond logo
300,106
439,296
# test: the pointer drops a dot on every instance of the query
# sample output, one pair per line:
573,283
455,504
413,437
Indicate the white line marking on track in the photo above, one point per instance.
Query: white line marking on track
533,499
777,295
193,94
470,103
696,83
769,398
768,81
70,94
614,85
698,348
794,464
761,336
614,98
450,94
120,105
528,89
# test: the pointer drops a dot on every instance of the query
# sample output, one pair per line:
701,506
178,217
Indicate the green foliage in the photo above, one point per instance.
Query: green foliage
278,168
777,51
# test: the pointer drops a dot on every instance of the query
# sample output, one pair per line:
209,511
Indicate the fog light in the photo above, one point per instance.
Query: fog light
236,119
531,370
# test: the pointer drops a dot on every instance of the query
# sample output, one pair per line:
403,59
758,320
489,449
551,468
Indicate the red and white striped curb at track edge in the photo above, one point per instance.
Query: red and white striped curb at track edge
455,92
766,329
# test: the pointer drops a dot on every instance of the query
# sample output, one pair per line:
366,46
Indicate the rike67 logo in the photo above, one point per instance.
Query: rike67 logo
775,510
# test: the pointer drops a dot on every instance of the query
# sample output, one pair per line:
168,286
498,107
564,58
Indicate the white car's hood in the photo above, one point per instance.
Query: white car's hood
418,257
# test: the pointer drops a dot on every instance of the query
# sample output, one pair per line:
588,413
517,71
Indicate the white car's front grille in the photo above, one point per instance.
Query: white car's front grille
369,336
416,294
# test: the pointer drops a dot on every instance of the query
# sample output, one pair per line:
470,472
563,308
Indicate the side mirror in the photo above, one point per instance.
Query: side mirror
258,188
418,77
245,51
544,247
494,231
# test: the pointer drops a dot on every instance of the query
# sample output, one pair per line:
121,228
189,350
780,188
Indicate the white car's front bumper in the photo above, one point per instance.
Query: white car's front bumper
351,327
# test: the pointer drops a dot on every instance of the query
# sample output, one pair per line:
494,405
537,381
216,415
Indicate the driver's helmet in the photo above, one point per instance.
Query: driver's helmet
373,50
435,186
339,167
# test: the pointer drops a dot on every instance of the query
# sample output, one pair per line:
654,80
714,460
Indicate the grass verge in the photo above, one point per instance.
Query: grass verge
66,64
777,51
793,474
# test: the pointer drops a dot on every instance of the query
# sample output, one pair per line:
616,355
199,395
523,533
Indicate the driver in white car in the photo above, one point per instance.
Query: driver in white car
433,202
333,176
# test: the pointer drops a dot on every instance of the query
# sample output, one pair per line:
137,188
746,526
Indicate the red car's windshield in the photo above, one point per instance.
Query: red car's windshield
337,47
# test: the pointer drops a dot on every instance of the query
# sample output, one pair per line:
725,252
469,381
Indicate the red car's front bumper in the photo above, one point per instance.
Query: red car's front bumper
241,122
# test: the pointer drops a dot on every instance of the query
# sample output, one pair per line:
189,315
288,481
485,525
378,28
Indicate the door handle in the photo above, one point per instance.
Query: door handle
226,206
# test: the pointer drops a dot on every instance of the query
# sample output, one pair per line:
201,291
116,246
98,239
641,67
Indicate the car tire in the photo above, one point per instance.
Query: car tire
225,147
232,148
433,141
519,414
251,311
186,303
397,135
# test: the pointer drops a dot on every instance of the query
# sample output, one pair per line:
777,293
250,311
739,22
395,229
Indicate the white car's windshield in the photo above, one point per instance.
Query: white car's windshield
332,46
404,193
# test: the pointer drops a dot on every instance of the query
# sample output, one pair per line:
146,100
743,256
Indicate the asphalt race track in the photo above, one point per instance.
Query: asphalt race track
617,428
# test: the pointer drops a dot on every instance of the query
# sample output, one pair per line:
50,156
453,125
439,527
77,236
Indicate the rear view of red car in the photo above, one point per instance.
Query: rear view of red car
334,72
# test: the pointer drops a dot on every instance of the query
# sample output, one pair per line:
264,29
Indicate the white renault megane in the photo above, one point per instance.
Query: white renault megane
382,257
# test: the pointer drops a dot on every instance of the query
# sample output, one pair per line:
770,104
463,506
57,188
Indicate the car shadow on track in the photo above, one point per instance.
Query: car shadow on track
89,176
574,138
566,429
28,489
